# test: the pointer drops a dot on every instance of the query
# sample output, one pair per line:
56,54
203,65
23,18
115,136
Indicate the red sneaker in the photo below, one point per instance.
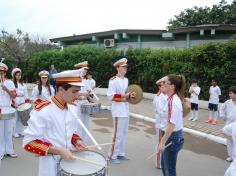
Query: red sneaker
214,122
209,121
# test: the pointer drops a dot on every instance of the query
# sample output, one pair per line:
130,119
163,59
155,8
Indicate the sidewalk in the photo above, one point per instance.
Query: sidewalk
145,108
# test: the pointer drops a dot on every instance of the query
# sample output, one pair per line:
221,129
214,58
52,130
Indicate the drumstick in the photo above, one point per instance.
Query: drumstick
157,152
89,134
91,146
89,161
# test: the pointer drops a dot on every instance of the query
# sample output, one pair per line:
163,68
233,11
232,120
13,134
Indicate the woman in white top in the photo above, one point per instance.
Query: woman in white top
43,90
160,103
21,97
173,137
228,113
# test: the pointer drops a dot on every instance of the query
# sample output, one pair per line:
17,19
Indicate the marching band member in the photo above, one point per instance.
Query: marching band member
230,133
160,103
21,97
83,95
194,91
52,130
173,135
228,113
43,90
120,110
7,92
90,81
214,92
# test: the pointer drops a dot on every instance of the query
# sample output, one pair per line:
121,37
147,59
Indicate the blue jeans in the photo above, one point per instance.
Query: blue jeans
169,155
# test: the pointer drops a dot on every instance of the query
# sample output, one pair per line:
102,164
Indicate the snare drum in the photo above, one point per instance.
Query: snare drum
83,168
24,112
7,113
90,108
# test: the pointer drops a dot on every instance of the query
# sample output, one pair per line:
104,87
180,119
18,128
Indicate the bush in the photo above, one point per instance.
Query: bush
203,62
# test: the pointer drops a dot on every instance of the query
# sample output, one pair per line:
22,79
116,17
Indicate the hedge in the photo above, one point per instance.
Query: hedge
203,62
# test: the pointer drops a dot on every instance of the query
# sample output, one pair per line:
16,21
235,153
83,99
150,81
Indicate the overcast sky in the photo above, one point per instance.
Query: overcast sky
58,18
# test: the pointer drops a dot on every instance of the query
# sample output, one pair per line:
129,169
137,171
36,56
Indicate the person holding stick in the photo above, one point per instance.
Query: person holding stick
174,89
52,130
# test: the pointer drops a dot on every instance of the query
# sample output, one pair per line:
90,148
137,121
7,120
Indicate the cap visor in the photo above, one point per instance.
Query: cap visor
44,76
79,84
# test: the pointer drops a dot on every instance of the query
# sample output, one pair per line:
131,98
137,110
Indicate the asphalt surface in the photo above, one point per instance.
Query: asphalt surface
199,156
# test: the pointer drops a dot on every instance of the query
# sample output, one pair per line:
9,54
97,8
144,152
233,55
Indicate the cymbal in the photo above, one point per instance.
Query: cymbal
138,93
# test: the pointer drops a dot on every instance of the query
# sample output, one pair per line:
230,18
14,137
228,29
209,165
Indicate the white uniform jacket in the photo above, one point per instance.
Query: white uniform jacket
228,111
117,87
22,94
45,95
53,124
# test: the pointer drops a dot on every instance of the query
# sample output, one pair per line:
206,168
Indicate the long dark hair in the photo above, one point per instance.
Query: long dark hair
179,82
15,81
47,85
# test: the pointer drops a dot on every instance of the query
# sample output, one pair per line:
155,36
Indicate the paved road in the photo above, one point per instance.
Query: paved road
199,157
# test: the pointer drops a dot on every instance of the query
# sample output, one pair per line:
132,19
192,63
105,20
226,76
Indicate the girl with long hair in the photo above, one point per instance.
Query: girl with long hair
43,90
21,97
172,141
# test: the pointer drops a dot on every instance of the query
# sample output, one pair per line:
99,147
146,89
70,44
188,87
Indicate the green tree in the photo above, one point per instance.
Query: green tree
218,14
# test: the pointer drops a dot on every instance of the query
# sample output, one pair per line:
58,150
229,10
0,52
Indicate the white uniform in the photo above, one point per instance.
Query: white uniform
6,126
54,125
230,130
214,92
91,83
120,113
160,107
84,117
45,94
22,95
228,112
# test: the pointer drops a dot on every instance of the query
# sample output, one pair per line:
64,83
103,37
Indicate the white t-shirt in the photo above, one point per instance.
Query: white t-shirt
176,113
22,94
214,92
5,99
194,95
160,106
91,83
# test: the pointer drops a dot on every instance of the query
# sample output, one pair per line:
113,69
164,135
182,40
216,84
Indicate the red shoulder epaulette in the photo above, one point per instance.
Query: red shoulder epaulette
112,78
41,105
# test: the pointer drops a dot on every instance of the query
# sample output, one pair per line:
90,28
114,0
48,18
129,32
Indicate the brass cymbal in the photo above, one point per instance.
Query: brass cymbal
138,93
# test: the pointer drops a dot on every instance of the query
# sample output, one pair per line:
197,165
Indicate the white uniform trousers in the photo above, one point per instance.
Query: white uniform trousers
121,125
6,132
85,118
230,148
18,126
231,171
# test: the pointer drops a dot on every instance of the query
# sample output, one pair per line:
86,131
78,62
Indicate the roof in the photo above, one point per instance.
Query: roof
189,29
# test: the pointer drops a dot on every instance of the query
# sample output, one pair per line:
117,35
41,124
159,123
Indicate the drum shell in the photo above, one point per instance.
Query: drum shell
90,108
8,116
101,172
24,115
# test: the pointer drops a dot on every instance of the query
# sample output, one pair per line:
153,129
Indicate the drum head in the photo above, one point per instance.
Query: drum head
78,167
24,107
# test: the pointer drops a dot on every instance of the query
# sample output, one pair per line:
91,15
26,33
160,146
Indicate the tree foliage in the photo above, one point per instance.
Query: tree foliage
218,14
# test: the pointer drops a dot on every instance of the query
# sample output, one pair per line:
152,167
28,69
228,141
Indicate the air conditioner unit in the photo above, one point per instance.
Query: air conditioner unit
109,43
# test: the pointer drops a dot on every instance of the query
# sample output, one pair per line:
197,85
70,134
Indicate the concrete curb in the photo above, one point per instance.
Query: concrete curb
210,137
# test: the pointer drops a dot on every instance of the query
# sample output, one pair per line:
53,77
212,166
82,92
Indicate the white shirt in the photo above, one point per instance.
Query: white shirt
91,83
22,94
176,112
54,125
228,111
45,94
194,95
230,130
160,106
118,86
85,88
214,92
5,99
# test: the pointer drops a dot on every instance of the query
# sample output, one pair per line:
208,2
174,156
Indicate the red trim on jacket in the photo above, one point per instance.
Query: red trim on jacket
38,147
74,139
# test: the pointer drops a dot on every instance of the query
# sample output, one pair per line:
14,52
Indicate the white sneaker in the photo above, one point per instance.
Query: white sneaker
16,135
229,159
190,118
194,119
